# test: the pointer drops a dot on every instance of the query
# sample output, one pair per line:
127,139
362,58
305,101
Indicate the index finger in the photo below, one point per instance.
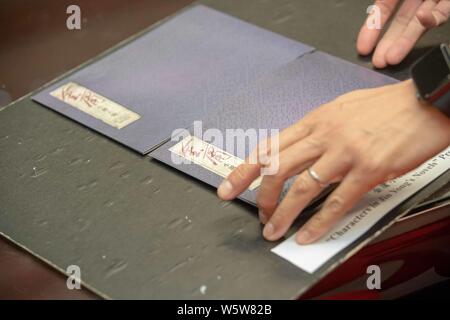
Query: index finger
368,36
238,181
242,177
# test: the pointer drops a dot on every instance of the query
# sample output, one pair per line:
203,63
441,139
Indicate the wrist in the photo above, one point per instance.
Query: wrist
422,107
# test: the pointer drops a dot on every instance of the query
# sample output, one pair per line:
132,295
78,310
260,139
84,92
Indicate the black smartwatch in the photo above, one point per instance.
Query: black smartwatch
431,75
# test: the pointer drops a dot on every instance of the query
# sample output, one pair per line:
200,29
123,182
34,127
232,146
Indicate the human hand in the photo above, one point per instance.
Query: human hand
361,139
411,21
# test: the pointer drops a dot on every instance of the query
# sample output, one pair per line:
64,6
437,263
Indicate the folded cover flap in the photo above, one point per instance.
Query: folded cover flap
172,75
275,102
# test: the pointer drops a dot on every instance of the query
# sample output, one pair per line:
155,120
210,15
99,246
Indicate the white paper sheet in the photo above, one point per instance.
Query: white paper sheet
364,215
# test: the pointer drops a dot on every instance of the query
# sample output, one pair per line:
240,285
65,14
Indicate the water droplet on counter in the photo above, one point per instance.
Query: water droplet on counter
38,172
109,204
42,223
92,184
56,151
147,180
89,138
203,289
116,165
75,161
117,266
178,266
282,19
125,175
40,157
174,223
83,224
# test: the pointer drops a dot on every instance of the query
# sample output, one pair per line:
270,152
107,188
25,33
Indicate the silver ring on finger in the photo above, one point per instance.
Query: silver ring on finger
315,176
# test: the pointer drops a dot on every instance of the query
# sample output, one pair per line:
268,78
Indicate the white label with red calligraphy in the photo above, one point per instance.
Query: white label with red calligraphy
209,157
95,105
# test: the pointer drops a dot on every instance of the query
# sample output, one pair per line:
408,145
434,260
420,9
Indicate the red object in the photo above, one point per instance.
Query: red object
419,254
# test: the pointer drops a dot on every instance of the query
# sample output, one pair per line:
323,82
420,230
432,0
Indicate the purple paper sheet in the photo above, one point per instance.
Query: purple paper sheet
176,72
277,101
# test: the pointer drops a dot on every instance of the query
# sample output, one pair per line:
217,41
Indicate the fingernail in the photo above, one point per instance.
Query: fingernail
269,231
225,189
304,237
262,217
